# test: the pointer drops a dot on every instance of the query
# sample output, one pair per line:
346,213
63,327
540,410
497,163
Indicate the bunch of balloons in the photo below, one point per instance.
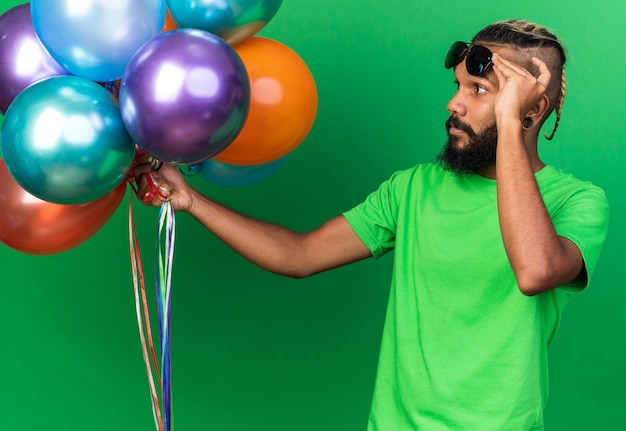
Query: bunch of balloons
84,85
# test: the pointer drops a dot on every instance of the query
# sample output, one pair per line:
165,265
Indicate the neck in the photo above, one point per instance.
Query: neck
536,164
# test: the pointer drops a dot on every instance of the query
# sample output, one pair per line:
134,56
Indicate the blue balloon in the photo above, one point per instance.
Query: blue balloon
64,141
232,20
238,176
96,39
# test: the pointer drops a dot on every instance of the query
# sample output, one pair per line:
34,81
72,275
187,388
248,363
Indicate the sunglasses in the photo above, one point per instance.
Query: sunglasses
478,58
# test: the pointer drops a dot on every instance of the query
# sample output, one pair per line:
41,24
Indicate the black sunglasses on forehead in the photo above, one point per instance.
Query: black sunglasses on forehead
478,58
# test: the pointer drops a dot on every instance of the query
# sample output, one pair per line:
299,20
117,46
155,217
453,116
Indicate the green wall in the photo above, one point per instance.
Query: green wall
254,351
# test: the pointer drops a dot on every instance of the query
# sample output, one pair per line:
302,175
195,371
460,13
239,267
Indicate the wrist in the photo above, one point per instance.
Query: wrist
509,122
507,114
189,201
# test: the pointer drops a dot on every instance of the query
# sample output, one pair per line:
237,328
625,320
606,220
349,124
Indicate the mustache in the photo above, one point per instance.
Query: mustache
455,122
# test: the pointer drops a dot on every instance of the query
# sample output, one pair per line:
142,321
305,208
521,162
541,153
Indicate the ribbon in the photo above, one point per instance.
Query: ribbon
165,246
162,413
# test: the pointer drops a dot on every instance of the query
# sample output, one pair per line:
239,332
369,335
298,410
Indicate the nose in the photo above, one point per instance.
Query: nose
456,105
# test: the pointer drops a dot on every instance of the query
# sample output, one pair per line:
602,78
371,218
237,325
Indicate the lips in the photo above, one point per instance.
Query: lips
456,127
456,131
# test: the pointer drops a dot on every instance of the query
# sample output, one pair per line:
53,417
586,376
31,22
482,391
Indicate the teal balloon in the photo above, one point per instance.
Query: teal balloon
96,39
232,20
228,175
64,141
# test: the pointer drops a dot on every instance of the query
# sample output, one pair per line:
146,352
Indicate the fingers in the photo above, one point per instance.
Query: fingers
152,187
508,69
141,170
155,164
520,92
158,182
544,72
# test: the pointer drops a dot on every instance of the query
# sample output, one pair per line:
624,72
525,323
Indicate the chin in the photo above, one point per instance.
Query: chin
457,141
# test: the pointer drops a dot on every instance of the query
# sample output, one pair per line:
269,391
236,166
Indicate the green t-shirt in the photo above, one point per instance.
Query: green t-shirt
462,348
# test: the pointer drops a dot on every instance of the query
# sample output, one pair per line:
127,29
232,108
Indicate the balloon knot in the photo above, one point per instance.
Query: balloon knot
190,170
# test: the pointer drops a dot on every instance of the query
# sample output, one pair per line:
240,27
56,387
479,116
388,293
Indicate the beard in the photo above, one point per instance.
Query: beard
476,156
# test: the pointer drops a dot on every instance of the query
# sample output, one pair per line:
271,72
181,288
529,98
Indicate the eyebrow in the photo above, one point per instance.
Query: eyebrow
494,82
475,78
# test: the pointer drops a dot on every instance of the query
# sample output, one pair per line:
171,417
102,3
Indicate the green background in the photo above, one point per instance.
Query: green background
255,351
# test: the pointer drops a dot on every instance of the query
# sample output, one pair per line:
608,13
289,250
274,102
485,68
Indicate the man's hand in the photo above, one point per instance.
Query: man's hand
160,182
519,91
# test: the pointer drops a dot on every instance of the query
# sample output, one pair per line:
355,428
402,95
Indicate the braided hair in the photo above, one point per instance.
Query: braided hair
527,35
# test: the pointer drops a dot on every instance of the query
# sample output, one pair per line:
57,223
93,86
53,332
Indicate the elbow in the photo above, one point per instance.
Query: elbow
538,278
536,281
295,273
299,272
304,272
530,289
298,275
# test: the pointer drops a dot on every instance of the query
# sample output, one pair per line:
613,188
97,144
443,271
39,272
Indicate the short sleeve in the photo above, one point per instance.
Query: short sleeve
584,221
375,219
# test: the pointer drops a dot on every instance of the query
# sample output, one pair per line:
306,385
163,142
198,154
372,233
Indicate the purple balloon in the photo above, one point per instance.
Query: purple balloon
23,58
184,96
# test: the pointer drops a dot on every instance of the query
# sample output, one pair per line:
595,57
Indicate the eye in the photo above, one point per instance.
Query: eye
479,89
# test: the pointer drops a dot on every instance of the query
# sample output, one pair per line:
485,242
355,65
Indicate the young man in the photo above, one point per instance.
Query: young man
489,243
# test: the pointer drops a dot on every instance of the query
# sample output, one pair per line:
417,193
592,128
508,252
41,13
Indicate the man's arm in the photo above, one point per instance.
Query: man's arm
541,260
270,246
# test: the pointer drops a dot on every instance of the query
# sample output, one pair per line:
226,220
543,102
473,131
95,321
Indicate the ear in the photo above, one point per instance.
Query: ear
540,109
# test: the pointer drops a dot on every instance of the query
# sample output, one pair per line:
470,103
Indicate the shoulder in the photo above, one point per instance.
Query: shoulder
421,172
572,201
401,185
555,183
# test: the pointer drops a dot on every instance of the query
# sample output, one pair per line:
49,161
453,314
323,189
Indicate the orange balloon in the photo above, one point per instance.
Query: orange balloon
283,103
34,226
169,23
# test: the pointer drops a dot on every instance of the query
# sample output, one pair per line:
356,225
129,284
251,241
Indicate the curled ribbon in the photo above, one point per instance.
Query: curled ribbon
162,413
155,190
